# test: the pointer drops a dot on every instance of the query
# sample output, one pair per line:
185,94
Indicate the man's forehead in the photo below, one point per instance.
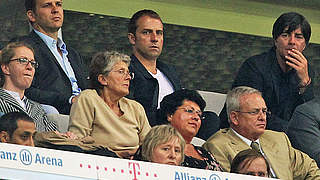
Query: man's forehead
47,1
252,101
25,124
147,22
297,30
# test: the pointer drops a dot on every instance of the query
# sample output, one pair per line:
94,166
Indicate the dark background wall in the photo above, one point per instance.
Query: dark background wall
205,59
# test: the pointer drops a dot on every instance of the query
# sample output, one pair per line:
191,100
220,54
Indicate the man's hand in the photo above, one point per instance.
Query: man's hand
297,61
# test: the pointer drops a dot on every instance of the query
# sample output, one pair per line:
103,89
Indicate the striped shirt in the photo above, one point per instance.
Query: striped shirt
9,104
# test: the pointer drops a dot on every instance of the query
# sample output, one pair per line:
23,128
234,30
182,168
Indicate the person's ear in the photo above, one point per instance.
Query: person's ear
275,42
4,137
169,117
5,69
132,38
102,80
234,118
31,16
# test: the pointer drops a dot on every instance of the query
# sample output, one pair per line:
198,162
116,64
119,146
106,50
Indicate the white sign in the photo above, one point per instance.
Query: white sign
23,161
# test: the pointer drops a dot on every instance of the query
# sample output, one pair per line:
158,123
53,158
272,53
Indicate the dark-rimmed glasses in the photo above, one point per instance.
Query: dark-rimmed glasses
26,61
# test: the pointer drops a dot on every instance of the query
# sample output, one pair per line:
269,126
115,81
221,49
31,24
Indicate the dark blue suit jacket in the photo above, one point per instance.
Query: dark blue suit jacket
145,89
50,84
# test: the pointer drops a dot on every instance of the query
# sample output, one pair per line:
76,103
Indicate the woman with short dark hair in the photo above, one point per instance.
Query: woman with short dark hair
183,110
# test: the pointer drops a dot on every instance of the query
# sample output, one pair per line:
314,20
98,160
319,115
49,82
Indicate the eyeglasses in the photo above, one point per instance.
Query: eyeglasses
257,112
26,61
125,73
192,111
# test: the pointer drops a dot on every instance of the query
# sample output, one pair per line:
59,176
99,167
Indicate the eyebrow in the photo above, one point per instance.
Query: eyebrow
26,133
299,34
24,57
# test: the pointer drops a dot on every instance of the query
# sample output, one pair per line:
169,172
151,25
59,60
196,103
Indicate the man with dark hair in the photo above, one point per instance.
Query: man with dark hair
282,74
61,74
153,79
247,112
17,128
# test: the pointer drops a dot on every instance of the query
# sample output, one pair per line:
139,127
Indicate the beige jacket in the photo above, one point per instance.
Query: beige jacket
287,162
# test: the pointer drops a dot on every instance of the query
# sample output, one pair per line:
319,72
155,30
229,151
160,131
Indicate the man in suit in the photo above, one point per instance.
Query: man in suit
61,74
247,113
304,128
17,128
18,67
283,74
153,79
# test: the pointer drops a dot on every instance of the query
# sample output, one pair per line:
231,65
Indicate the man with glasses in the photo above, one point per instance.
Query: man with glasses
61,74
18,67
283,74
247,114
153,78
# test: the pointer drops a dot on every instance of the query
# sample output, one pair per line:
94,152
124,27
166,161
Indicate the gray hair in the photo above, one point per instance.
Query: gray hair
102,63
233,98
159,135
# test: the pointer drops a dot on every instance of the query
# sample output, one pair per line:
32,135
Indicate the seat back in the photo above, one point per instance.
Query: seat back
215,101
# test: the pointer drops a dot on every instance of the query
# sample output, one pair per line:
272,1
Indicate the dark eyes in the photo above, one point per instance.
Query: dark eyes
146,32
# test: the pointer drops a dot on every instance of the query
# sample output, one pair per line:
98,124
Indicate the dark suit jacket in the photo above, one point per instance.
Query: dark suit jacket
145,89
304,129
50,84
263,72
287,162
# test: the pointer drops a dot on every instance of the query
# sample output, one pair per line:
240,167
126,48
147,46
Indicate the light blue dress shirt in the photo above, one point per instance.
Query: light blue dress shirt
63,61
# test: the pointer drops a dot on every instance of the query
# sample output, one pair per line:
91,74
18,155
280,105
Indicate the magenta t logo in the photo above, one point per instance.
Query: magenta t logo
135,169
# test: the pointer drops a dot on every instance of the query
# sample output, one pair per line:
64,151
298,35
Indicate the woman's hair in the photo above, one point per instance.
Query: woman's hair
171,102
159,135
7,54
244,158
102,63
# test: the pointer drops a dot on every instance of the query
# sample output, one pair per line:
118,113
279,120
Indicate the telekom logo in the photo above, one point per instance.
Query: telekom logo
135,168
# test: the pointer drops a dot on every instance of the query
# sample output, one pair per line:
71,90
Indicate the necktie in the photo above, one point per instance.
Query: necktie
255,146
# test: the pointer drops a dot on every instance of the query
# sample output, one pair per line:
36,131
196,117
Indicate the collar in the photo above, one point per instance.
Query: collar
50,42
246,140
14,94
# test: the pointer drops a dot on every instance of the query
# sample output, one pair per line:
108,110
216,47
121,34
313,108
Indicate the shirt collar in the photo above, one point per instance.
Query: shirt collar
246,140
13,94
49,41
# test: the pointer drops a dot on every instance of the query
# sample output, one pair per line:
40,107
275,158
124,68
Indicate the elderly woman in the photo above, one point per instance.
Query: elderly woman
183,110
163,144
250,162
103,114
